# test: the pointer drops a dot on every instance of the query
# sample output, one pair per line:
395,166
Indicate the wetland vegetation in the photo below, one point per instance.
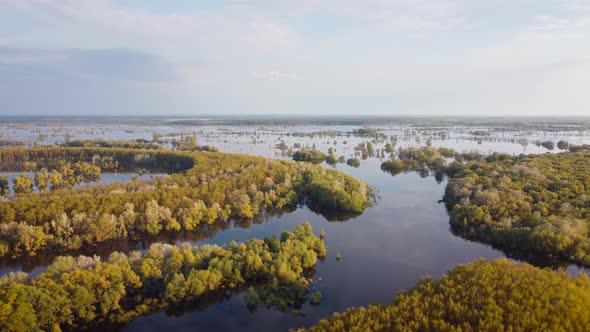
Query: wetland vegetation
203,188
534,203
480,296
519,187
76,292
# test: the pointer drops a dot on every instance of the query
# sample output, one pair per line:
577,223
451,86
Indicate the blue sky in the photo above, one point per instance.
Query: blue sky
348,57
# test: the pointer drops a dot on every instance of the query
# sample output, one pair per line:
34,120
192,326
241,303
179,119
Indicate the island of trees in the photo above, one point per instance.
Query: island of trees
535,203
529,203
313,156
76,292
425,160
480,296
202,188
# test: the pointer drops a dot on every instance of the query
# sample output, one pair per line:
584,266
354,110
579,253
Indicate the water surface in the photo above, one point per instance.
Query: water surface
386,249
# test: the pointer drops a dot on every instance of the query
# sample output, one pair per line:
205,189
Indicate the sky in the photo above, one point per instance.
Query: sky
297,57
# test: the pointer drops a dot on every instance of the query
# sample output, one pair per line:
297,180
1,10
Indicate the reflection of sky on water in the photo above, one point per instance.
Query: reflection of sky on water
404,236
105,178
240,138
386,249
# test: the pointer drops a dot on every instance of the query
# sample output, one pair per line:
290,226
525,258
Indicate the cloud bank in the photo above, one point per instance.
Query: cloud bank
395,57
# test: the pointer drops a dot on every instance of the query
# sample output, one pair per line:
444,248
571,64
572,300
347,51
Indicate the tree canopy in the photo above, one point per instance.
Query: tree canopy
76,292
313,156
424,160
536,203
203,188
480,296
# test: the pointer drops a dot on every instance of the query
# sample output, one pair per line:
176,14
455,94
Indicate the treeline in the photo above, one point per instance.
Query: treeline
577,148
368,132
101,143
67,176
218,187
537,203
114,159
438,161
187,142
424,160
533,203
79,292
480,296
324,188
317,157
313,156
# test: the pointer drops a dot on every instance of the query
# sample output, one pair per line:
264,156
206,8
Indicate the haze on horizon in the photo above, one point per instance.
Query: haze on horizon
380,57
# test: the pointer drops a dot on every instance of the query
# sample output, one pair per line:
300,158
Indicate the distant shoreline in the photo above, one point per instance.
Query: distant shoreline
300,120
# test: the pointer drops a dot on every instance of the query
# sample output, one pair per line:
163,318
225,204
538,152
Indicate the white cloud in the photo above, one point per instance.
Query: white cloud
177,35
579,5
275,75
414,55
555,28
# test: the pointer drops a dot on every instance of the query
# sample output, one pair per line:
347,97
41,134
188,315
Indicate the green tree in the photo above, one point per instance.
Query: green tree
563,145
480,296
57,181
22,184
42,179
4,187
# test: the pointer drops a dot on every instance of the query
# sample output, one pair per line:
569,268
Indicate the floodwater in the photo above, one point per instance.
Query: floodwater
387,249
105,178
404,236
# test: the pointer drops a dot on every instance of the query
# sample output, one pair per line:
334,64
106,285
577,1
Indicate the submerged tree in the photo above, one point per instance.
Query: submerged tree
22,184
203,189
4,187
77,292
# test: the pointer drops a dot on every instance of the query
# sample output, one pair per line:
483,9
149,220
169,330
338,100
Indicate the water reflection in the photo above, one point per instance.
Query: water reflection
104,179
404,236
527,256
202,233
36,264
512,253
